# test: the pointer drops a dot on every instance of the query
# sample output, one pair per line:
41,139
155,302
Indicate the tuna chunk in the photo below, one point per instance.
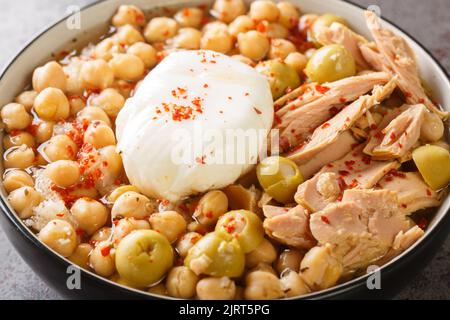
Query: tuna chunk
338,33
362,227
329,132
343,145
413,193
397,138
355,170
297,120
289,226
399,58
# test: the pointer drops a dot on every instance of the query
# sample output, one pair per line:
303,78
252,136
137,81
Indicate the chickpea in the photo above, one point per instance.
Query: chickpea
110,100
96,74
217,40
128,35
119,191
189,17
228,10
309,53
145,52
186,242
170,224
74,82
81,255
253,44
76,104
100,235
159,289
90,215
132,205
265,252
91,114
320,269
18,139
128,14
181,282
276,30
280,48
15,179
102,259
112,161
61,147
51,75
244,59
63,173
127,66
51,104
264,267
160,29
297,61
187,38
26,99
214,25
23,200
106,48
241,24
210,207
432,129
19,157
15,116
261,285
60,236
99,134
293,284
289,14
264,10
289,259
44,131
125,226
216,289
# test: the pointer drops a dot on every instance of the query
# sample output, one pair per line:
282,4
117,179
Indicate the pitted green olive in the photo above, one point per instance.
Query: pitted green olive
330,63
324,20
281,76
433,163
143,257
243,225
217,256
279,177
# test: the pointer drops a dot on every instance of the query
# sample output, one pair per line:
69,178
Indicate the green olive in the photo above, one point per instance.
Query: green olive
243,225
433,163
281,76
330,63
279,177
143,257
324,20
217,256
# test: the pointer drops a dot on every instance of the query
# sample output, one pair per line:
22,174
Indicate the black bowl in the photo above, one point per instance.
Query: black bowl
57,271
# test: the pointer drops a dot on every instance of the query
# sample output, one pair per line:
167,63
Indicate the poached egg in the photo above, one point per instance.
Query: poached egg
174,133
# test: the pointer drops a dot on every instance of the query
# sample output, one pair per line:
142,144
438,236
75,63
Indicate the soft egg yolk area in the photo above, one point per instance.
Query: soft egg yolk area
196,122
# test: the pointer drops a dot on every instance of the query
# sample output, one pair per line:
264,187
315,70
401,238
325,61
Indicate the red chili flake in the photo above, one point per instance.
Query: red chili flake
421,100
262,26
79,232
429,192
205,85
277,119
322,89
339,198
366,159
257,110
342,183
389,179
60,215
400,145
343,173
334,111
201,160
349,164
186,12
373,126
325,125
209,214
392,136
423,223
247,94
353,184
396,173
342,100
408,94
378,135
404,205
105,251
330,165
325,219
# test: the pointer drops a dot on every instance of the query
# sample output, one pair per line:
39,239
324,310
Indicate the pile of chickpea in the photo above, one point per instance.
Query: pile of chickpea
106,225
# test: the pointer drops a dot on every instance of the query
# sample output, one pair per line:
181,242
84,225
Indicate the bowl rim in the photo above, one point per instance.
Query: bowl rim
323,294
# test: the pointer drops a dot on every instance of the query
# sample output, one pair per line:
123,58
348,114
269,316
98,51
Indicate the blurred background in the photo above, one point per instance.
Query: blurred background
427,21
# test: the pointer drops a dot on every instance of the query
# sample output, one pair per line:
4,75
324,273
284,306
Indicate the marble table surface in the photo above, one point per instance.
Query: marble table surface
428,21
